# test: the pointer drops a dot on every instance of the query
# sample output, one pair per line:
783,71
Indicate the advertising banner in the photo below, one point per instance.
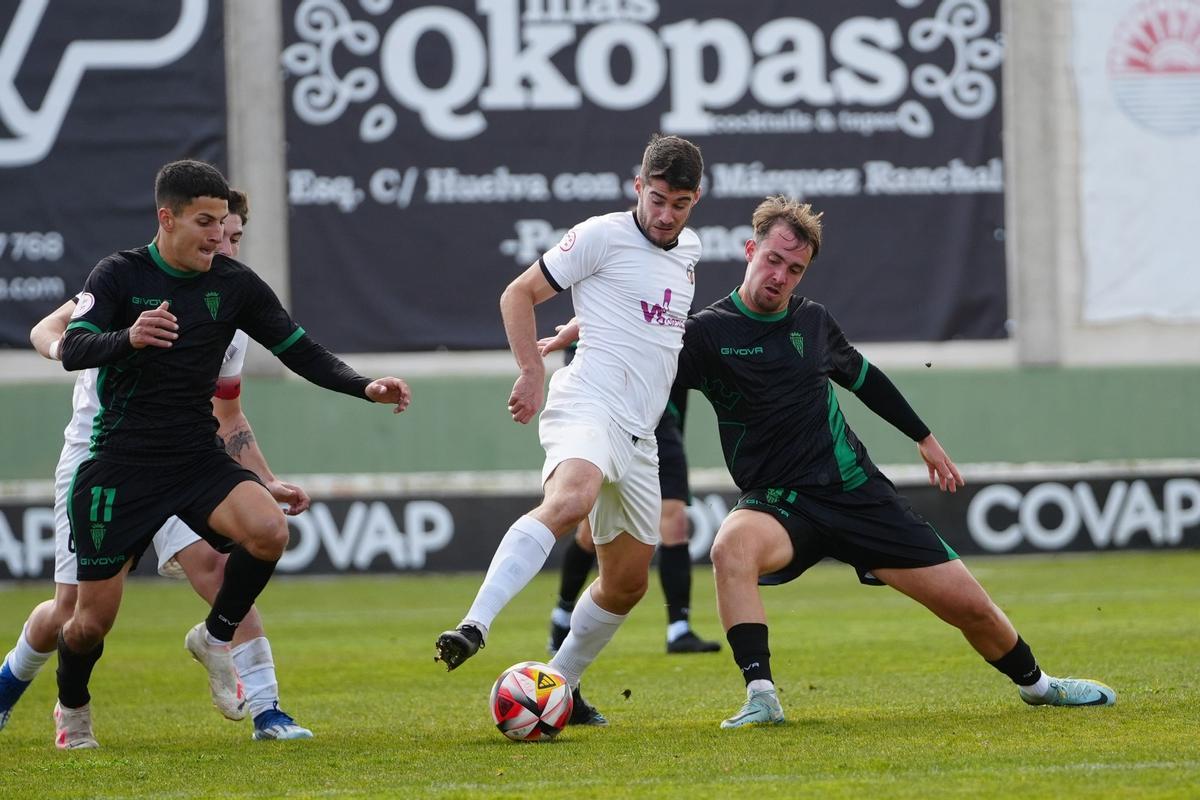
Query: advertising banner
1137,69
94,98
425,532
437,149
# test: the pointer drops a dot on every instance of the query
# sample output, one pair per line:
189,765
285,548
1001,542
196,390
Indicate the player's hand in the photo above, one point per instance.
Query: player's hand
526,397
295,499
154,328
390,390
562,338
942,472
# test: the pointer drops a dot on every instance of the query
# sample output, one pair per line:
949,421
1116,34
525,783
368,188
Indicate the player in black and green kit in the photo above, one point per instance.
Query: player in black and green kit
156,321
767,360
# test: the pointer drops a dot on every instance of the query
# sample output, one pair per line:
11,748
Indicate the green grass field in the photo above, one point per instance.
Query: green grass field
882,699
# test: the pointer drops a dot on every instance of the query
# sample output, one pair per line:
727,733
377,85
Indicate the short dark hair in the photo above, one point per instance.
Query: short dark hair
800,217
676,160
181,182
239,204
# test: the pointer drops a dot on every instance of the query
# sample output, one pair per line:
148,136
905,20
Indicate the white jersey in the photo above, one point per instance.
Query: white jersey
85,401
631,298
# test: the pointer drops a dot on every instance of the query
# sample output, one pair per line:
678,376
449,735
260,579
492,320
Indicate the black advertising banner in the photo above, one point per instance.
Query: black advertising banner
436,533
436,149
94,98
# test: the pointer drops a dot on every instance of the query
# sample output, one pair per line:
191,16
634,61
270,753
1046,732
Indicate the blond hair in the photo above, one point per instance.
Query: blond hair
800,217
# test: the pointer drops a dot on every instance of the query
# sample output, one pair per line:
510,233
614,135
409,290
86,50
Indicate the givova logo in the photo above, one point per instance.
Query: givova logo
34,132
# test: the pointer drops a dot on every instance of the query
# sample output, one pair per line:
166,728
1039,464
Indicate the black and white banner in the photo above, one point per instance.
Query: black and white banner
436,149
94,98
431,533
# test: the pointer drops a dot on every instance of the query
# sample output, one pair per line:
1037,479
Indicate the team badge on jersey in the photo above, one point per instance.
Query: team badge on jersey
213,301
691,274
797,342
568,241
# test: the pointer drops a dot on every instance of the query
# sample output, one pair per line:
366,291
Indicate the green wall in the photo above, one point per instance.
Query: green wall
461,423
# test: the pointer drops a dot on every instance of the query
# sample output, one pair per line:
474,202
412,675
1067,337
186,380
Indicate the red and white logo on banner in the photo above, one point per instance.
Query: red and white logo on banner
1154,65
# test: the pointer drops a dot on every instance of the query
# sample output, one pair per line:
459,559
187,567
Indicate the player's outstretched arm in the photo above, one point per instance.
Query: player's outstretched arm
240,443
46,336
942,471
520,326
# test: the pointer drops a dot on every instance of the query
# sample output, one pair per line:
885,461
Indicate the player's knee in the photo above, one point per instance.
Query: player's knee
86,631
565,510
267,537
626,591
731,558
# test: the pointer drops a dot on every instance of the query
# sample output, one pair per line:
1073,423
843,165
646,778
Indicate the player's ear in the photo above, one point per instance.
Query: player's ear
750,246
166,219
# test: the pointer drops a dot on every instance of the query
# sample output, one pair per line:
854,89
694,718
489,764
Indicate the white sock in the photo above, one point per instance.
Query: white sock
213,641
24,661
759,685
256,667
561,617
521,554
677,628
591,628
1039,689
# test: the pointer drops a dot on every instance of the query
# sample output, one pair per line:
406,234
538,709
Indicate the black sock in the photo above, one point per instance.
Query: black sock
74,672
245,577
748,641
675,572
1019,664
577,563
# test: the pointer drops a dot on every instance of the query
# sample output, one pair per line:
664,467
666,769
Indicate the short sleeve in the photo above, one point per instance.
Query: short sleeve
577,255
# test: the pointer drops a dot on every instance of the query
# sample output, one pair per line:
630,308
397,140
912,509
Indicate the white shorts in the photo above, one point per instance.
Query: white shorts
630,497
170,539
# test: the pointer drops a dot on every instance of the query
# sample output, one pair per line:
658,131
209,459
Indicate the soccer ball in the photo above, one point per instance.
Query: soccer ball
531,702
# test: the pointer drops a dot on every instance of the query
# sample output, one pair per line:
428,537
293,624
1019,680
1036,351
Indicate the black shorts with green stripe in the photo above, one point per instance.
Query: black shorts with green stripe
869,527
115,509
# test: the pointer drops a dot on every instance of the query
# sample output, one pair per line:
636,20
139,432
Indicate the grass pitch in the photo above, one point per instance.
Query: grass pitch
882,699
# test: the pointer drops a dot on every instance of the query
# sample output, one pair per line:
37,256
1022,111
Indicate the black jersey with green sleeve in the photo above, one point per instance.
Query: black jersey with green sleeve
155,403
769,378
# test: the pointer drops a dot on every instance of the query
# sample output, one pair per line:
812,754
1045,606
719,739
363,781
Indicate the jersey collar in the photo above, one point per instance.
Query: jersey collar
162,264
638,225
737,301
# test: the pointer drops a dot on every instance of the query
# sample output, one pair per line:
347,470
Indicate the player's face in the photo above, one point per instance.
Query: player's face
773,268
231,243
196,232
662,211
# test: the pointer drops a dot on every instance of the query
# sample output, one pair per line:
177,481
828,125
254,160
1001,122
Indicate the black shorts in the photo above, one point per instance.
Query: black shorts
672,464
115,509
870,527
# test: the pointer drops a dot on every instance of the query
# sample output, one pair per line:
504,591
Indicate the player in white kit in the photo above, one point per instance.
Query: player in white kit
631,276
181,553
